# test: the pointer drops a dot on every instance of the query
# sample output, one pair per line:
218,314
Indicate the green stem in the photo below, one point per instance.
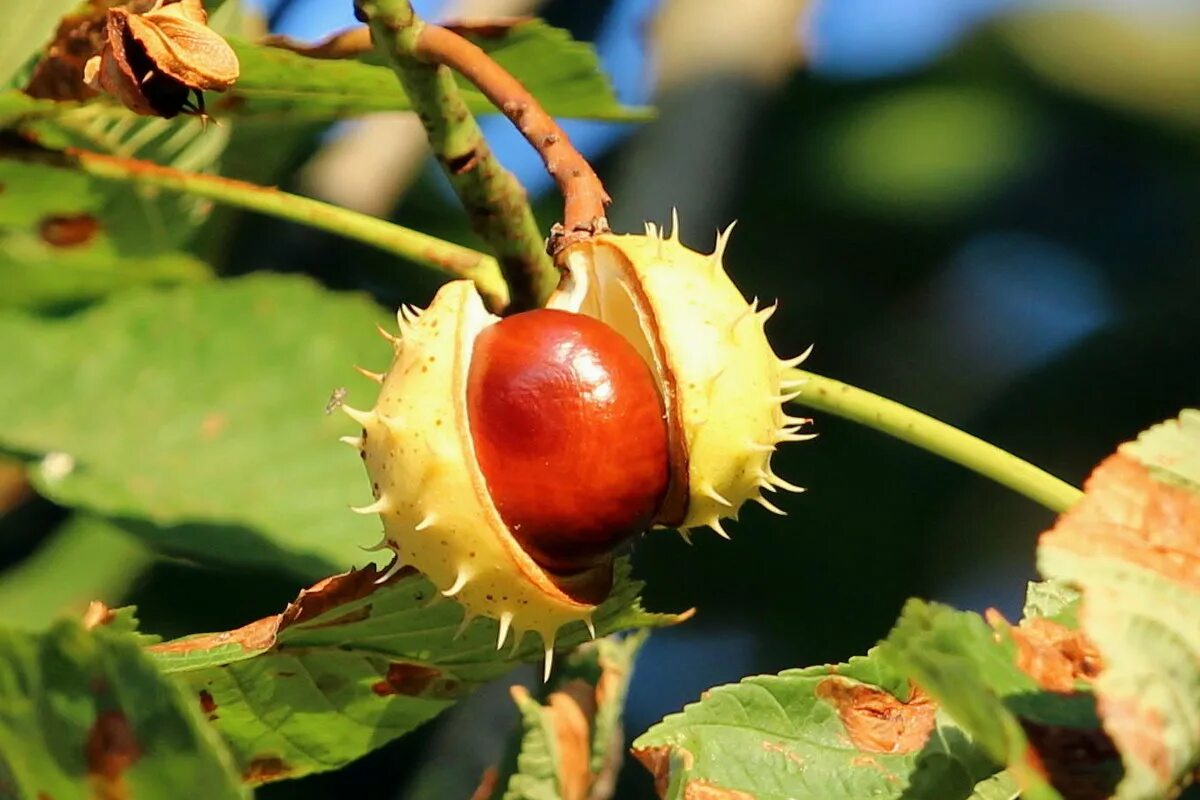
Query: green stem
495,201
888,416
416,246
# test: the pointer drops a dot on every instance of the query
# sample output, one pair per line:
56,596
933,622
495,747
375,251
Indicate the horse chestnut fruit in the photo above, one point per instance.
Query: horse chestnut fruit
510,458
570,434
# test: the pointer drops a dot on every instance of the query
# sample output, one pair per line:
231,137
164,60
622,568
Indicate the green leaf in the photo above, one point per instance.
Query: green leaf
200,408
86,714
28,27
1001,786
573,739
1132,546
67,238
1171,450
562,73
925,151
351,665
17,107
87,558
955,657
1053,600
850,730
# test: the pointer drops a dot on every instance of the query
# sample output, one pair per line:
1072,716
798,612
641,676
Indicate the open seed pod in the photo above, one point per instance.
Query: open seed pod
722,385
154,61
510,459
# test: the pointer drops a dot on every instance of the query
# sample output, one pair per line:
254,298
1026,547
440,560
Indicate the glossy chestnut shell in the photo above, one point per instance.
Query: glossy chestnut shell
570,433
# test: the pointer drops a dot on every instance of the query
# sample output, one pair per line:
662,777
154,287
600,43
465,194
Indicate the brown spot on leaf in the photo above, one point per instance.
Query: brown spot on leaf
658,761
875,721
15,488
110,750
1126,514
1054,655
207,704
97,614
703,790
258,635
775,747
406,679
265,768
68,230
212,424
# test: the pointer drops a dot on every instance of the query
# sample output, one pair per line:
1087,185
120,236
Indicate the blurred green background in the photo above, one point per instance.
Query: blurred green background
985,210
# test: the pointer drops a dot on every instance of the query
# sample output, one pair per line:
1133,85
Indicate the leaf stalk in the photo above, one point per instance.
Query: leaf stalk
429,251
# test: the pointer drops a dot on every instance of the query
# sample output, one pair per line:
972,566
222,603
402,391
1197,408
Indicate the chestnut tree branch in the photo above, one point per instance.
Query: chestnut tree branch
583,194
421,248
495,202
909,425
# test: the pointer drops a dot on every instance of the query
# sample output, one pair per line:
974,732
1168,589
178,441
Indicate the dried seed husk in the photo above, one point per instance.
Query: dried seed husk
152,62
179,42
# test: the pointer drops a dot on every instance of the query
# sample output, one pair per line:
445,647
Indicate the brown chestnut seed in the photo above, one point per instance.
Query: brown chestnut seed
570,434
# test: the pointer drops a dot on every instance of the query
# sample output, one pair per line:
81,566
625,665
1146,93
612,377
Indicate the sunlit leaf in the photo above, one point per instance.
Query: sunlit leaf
860,729
571,740
351,665
200,408
562,73
67,237
924,151
1144,61
1132,546
27,28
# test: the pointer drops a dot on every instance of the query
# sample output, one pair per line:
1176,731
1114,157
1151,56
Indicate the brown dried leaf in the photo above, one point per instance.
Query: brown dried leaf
570,710
111,749
319,598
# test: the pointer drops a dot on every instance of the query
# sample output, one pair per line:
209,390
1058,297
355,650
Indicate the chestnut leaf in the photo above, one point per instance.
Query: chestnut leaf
1132,547
86,713
156,393
571,737
562,73
352,664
